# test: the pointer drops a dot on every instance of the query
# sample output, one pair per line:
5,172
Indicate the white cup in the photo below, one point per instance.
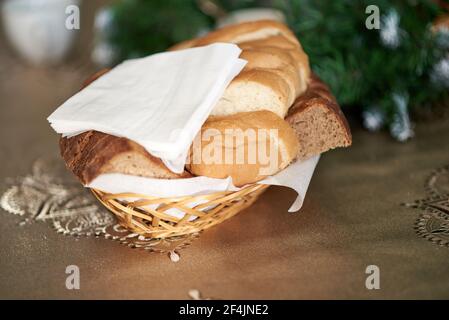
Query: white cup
37,28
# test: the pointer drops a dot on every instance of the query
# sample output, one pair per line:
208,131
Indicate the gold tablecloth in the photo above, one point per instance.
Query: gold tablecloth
352,217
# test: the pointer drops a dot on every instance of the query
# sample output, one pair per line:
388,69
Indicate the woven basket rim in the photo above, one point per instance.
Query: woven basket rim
147,215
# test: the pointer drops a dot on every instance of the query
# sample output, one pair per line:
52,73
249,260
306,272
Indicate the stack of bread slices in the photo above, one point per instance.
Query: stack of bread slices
275,91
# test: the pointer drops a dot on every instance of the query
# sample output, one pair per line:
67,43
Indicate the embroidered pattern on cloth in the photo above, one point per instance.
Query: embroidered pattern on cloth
49,194
433,223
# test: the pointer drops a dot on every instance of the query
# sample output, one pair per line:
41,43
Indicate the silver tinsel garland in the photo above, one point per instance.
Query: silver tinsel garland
401,127
373,119
390,33
442,38
440,73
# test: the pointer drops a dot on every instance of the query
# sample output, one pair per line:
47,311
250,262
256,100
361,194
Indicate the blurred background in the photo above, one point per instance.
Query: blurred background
386,61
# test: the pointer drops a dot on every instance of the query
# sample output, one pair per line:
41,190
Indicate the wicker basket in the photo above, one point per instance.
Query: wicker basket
147,215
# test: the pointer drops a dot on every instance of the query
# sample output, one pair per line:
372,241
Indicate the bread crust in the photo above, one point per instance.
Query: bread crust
279,45
92,153
268,81
243,134
277,66
247,31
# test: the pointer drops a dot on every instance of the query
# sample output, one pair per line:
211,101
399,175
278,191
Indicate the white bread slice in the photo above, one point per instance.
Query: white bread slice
253,90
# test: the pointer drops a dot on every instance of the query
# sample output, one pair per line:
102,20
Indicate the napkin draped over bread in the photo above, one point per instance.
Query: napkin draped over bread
160,101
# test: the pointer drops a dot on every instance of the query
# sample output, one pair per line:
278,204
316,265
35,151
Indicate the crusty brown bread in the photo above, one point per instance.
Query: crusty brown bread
278,45
277,71
241,32
318,121
246,146
92,153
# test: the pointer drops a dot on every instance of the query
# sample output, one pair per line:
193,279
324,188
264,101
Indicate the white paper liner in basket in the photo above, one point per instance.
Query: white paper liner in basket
296,176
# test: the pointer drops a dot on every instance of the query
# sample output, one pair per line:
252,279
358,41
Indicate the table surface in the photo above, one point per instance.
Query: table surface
352,218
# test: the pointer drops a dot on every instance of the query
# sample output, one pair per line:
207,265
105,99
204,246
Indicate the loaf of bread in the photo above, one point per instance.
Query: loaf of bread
93,153
277,71
246,146
241,32
318,121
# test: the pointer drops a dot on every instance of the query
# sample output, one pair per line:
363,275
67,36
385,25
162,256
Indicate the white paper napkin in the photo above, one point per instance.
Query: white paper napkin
296,176
160,101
